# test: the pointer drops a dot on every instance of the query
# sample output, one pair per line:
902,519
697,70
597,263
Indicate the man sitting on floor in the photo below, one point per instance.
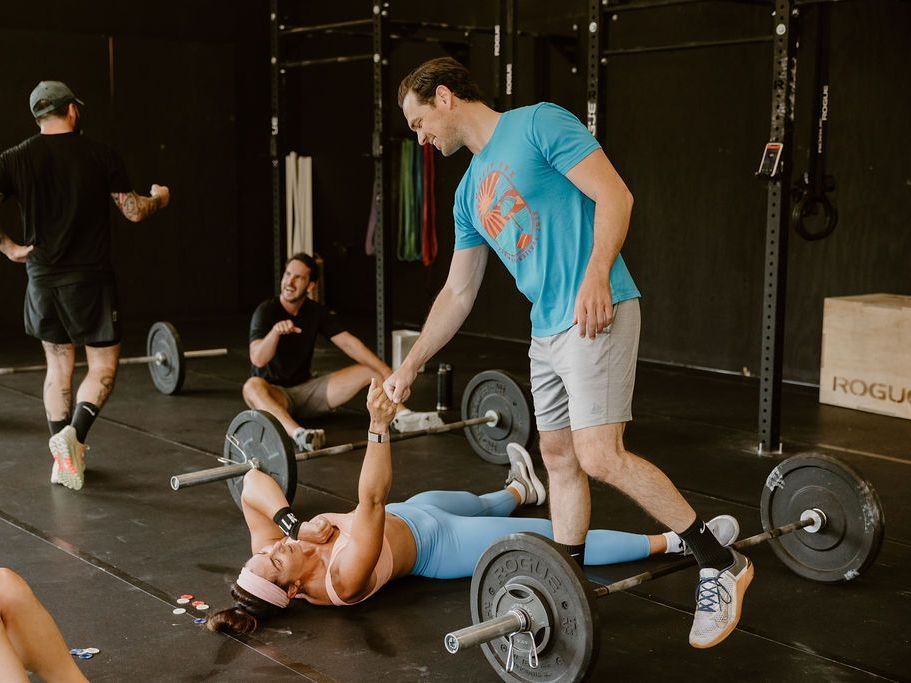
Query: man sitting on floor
282,338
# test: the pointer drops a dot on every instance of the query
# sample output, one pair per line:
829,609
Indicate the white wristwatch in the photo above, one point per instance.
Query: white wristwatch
377,438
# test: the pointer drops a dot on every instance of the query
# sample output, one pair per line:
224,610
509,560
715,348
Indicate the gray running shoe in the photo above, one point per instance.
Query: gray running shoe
719,601
723,527
522,470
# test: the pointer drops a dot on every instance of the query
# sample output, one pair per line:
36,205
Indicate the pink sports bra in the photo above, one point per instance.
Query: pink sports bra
382,572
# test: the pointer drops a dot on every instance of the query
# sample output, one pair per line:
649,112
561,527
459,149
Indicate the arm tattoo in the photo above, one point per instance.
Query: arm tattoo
135,207
128,203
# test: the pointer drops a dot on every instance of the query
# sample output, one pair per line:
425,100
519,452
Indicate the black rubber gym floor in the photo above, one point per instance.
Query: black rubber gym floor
110,560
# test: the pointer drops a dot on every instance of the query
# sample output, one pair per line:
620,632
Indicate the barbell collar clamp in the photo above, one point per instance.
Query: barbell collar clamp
511,653
818,518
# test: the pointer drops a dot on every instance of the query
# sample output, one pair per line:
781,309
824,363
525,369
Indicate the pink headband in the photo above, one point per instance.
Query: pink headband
262,588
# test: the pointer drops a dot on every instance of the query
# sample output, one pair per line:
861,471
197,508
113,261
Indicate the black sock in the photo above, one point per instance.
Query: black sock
56,425
706,548
577,552
83,417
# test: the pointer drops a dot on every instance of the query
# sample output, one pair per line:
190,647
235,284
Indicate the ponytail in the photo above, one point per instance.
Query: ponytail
245,616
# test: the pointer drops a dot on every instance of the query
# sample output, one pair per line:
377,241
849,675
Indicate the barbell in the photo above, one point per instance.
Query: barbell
165,356
495,412
533,610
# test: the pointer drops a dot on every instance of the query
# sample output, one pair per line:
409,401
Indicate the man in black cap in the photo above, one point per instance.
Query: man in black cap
63,182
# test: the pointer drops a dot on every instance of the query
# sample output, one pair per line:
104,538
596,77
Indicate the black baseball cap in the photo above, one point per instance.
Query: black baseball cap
56,93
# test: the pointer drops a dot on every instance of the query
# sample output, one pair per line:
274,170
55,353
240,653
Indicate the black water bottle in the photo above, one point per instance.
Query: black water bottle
444,387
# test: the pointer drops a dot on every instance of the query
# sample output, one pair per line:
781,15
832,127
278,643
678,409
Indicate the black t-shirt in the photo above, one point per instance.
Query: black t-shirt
64,184
291,364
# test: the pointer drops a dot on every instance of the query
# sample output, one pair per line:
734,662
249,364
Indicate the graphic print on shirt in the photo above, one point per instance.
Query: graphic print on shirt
505,214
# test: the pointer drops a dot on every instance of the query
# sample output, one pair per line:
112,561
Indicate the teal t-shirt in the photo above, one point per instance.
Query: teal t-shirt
515,197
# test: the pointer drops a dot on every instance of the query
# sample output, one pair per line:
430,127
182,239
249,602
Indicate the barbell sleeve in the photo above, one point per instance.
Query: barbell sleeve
486,631
181,481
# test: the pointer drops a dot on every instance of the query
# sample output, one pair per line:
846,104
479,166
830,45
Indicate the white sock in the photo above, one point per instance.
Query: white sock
519,488
674,542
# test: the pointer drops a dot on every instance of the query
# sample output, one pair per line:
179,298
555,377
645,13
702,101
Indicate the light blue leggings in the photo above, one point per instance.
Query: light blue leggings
452,529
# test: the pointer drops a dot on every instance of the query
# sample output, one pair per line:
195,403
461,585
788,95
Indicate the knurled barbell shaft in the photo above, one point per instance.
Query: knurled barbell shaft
214,474
483,632
683,563
130,360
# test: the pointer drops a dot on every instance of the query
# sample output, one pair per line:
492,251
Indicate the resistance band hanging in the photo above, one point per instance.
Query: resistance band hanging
809,196
428,208
409,248
299,203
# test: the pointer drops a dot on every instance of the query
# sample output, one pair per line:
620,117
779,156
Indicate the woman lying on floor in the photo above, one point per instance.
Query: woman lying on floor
343,559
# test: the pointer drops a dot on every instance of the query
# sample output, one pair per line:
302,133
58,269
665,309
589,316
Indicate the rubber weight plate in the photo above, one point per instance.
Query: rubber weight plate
498,391
850,541
257,434
167,375
529,572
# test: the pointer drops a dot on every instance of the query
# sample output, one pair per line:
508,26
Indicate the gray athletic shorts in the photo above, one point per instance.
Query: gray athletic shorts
579,382
309,399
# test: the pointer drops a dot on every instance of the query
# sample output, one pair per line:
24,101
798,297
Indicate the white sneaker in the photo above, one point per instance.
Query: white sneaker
69,458
309,440
522,471
407,420
723,527
719,601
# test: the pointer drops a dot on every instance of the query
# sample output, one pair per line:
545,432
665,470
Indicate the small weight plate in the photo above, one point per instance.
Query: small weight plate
259,435
529,572
498,391
855,524
167,375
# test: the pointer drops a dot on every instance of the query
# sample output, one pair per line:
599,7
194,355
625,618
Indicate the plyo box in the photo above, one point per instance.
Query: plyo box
866,353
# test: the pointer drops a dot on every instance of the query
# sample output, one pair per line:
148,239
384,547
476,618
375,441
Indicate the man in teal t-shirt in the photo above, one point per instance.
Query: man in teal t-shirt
541,193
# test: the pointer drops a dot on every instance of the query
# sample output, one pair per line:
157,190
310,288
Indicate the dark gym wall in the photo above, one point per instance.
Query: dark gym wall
180,93
686,130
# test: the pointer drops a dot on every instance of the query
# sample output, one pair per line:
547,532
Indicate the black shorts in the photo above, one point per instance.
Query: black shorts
84,313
